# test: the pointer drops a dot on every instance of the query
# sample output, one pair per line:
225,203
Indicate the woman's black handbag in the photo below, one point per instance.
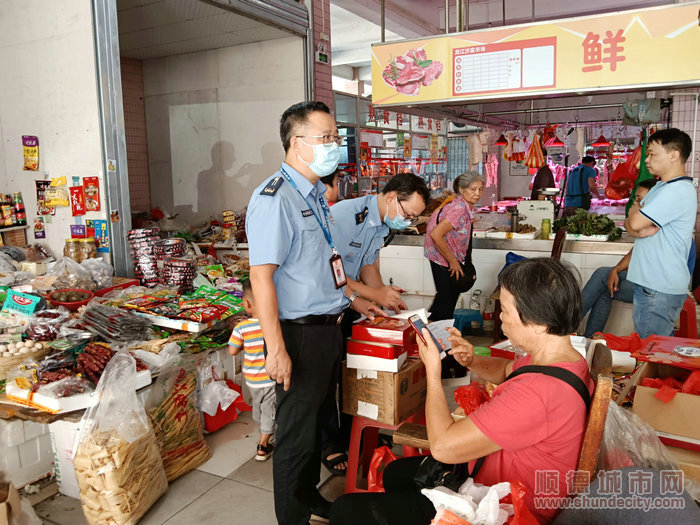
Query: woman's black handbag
432,473
466,281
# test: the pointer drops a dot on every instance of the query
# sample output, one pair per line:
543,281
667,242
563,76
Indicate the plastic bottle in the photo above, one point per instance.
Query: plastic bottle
475,304
20,212
489,309
494,207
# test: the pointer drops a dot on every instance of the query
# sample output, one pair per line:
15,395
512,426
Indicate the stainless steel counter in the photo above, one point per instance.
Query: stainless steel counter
619,247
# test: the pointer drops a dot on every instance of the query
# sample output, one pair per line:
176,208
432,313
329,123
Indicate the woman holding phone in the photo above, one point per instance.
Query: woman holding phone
448,245
534,421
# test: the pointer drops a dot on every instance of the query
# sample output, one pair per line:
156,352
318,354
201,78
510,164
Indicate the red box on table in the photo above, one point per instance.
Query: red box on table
388,330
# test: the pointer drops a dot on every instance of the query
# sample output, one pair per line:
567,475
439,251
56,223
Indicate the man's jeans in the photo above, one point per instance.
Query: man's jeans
655,312
596,298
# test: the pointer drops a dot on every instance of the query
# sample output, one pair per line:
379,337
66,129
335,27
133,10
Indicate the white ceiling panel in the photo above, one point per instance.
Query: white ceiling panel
158,28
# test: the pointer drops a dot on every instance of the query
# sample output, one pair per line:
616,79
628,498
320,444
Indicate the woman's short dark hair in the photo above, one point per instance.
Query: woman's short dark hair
546,292
297,115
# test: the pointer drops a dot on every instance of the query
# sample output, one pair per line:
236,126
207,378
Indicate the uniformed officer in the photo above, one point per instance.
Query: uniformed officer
359,229
300,292
362,224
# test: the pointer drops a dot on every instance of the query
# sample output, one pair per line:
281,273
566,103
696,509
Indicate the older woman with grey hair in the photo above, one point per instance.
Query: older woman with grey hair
448,245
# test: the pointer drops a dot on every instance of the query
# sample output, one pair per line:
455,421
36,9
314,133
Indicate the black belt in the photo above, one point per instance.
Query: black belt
316,319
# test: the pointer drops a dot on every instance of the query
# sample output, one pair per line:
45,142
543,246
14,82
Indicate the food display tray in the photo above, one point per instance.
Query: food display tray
579,237
61,405
511,235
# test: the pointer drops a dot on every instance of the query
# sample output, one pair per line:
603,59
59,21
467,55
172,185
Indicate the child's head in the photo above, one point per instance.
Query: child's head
643,189
248,300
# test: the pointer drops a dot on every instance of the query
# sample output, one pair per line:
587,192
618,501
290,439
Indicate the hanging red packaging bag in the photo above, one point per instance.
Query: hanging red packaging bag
91,189
77,201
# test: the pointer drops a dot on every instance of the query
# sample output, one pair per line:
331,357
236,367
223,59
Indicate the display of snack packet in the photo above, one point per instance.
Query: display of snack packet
30,146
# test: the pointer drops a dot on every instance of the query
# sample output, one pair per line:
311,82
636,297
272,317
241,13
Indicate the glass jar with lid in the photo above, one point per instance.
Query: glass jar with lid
72,249
88,248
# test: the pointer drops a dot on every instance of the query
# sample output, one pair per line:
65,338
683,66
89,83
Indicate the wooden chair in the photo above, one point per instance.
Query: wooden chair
557,247
600,364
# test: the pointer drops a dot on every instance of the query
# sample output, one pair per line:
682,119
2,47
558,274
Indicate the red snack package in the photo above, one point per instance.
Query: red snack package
203,314
469,397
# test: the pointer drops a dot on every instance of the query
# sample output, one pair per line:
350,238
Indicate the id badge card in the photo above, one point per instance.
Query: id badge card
338,270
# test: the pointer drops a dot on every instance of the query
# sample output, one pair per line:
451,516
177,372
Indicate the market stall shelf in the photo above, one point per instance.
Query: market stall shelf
178,324
62,405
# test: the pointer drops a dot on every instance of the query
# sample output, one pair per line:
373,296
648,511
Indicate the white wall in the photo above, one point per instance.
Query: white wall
48,89
212,122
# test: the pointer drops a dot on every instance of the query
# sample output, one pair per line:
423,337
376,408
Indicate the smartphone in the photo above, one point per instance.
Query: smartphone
418,325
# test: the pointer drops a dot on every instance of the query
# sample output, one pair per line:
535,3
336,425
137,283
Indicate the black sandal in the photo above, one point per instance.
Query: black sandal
331,464
266,452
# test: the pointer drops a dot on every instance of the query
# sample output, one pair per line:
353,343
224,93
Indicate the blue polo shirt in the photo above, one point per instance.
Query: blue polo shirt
359,232
282,230
660,262
577,184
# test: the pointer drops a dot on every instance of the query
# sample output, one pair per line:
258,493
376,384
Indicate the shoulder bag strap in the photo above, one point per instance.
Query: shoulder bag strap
560,373
468,255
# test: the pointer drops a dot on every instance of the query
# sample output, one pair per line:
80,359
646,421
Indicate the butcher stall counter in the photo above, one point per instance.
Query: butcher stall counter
403,264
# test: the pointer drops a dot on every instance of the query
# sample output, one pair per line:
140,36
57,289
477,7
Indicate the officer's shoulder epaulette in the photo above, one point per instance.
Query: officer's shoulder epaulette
271,188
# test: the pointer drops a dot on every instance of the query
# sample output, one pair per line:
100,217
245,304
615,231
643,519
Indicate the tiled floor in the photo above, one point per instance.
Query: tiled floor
230,488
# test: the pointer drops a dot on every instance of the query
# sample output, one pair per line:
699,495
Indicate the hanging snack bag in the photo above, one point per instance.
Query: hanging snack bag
172,408
57,194
117,461
30,146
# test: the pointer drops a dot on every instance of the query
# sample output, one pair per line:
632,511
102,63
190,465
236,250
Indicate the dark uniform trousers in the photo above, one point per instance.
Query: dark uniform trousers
315,352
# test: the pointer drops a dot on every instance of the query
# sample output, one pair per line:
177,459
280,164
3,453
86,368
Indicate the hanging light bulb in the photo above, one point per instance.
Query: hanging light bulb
501,141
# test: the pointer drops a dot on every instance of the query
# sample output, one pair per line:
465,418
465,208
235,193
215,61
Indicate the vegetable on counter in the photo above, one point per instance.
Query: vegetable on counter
585,223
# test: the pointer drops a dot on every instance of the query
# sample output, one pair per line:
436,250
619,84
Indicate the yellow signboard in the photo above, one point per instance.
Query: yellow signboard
650,47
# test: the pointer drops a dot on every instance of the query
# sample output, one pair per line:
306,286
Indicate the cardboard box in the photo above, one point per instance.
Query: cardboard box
379,364
688,460
679,416
384,396
383,350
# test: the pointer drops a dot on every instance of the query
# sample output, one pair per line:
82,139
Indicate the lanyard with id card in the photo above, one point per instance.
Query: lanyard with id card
336,261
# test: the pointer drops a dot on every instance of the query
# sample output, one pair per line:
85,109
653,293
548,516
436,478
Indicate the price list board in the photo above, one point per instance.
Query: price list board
506,66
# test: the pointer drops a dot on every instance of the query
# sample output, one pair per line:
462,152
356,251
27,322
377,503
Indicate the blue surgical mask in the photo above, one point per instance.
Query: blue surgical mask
326,158
398,222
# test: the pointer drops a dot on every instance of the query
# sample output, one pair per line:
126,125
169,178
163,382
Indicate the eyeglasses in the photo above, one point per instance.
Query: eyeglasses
413,220
325,139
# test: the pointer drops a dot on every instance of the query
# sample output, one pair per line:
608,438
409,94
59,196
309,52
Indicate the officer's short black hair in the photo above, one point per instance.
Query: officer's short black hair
405,185
298,115
587,159
546,292
674,139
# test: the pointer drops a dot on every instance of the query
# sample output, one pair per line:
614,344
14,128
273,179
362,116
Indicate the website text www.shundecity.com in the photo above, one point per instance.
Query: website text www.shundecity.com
638,489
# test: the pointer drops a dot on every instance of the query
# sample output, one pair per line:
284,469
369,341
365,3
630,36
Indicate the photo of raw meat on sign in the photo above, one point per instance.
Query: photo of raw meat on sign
407,73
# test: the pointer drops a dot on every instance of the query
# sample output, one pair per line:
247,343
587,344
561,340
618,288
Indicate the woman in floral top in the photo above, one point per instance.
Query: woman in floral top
448,243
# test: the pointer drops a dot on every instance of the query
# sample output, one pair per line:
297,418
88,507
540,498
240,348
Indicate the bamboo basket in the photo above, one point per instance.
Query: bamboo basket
9,363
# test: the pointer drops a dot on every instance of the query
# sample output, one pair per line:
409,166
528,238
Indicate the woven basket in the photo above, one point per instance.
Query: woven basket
9,363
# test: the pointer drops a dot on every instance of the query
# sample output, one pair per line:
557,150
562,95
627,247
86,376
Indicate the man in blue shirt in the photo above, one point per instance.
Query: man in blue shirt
360,227
299,290
580,183
664,232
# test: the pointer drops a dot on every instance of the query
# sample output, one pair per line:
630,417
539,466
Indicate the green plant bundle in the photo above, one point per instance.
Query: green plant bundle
585,223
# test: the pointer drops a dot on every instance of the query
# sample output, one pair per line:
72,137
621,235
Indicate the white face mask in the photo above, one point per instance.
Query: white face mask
326,158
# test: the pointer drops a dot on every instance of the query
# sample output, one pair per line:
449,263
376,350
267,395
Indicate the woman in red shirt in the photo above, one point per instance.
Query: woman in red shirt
532,428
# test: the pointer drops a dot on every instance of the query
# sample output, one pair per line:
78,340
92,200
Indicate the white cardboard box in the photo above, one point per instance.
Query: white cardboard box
63,441
379,364
28,461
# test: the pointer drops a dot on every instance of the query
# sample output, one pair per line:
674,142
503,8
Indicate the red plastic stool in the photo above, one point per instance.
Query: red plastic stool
367,444
689,322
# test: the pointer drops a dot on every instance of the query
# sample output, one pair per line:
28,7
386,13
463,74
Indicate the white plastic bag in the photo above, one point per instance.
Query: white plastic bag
213,391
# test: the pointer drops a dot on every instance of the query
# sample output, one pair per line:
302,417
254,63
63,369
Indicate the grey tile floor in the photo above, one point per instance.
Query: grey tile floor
230,488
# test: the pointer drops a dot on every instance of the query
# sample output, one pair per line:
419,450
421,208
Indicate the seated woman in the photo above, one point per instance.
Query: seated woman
533,425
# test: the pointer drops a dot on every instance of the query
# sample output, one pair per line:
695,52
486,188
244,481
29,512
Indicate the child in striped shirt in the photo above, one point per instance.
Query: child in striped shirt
247,336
